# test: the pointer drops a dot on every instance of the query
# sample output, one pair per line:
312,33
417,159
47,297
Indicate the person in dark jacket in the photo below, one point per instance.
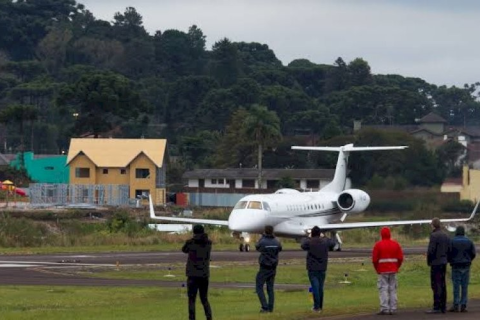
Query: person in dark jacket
460,257
317,247
198,249
438,249
269,247
387,258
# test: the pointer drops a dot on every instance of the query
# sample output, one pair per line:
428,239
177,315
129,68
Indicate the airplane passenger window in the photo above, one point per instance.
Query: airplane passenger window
266,206
255,205
241,205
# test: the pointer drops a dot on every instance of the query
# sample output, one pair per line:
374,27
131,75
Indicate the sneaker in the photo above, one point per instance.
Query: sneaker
433,311
454,308
317,310
264,311
392,312
383,313
463,308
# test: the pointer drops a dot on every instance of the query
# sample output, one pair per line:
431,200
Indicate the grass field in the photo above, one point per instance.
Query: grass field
236,304
221,241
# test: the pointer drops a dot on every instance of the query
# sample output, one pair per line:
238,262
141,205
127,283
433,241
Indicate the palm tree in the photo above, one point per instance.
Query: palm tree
263,126
19,114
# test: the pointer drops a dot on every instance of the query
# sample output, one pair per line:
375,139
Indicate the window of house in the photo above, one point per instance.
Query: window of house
214,181
142,194
82,172
248,183
123,171
142,173
105,171
272,184
48,168
314,184
220,181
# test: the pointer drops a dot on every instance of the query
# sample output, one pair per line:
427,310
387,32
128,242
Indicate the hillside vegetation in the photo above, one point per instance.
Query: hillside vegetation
64,73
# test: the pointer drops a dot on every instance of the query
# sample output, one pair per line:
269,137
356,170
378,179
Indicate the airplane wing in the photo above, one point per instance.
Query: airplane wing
187,220
354,225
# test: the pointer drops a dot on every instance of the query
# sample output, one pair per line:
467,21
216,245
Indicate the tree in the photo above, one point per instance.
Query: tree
262,126
450,154
101,53
52,50
99,99
225,62
255,55
215,110
359,72
19,114
196,150
337,76
24,70
425,170
234,148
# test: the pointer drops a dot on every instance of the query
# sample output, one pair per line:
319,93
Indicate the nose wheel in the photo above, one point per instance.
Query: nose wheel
244,247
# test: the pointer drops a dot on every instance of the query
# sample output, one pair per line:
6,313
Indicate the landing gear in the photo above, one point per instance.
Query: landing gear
244,246
337,241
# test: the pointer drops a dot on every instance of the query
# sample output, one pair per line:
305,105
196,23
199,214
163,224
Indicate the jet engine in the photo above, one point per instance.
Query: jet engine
353,201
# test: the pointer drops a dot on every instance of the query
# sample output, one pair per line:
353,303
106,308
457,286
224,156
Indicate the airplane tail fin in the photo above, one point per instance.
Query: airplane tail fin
339,180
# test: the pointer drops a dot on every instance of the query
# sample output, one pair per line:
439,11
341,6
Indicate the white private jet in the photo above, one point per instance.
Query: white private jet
293,213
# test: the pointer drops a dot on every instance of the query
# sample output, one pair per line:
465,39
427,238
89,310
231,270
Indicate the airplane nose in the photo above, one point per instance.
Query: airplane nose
246,220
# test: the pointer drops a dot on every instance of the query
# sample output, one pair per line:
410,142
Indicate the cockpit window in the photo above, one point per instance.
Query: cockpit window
241,205
255,205
266,206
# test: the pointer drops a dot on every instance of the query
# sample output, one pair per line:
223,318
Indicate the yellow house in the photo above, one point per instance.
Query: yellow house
138,163
471,184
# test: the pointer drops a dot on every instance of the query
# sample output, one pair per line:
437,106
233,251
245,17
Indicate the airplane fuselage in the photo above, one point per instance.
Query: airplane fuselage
290,212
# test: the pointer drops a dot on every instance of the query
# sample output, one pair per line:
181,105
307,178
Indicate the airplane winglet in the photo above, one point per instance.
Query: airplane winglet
150,204
474,211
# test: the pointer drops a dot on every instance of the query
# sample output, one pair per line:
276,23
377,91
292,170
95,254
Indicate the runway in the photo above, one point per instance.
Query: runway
53,269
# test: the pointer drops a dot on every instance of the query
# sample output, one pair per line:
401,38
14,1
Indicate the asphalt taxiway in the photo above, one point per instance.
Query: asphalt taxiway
49,269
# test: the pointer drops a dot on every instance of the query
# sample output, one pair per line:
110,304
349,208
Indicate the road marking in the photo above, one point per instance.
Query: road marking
11,265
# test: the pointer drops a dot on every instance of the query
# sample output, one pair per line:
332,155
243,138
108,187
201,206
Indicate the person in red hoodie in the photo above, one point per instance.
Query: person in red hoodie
387,258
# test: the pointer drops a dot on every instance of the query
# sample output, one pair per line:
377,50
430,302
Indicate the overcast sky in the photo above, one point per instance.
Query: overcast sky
436,40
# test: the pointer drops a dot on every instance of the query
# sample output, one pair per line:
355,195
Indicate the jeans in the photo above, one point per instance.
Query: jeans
266,276
317,279
439,287
460,278
194,285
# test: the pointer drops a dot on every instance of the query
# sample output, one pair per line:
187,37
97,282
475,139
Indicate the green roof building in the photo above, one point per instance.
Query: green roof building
44,168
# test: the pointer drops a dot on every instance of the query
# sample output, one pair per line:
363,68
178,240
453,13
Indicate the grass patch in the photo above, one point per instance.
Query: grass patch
360,296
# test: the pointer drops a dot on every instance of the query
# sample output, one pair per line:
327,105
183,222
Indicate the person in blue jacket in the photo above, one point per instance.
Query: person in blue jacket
269,247
460,257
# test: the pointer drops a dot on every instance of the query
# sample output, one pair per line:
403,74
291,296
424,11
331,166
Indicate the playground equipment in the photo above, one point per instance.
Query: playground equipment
8,185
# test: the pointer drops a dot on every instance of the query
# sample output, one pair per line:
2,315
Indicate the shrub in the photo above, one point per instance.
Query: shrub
20,232
464,206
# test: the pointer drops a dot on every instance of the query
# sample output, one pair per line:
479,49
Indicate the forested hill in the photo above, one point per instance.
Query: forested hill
64,73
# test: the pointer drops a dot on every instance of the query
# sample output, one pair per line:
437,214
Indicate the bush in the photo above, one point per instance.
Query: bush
464,206
376,183
21,232
391,206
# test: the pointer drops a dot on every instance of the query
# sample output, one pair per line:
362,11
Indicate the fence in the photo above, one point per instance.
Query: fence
75,194
214,199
